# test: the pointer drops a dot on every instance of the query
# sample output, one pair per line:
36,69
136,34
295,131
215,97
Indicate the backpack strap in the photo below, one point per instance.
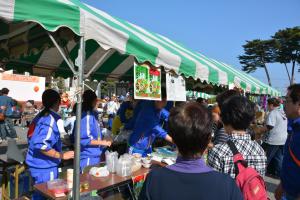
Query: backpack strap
232,147
238,159
295,159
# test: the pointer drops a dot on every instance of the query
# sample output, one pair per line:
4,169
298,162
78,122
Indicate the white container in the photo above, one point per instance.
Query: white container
146,160
124,167
111,161
70,178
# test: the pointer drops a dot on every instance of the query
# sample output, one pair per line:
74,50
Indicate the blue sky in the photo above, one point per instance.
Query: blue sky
216,28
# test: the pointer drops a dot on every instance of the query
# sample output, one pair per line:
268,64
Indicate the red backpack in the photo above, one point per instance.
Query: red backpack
249,181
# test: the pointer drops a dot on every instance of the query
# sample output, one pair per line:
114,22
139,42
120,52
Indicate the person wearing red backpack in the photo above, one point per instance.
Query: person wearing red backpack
289,188
240,157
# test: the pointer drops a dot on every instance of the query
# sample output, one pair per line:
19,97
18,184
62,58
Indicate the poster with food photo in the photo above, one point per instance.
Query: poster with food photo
147,83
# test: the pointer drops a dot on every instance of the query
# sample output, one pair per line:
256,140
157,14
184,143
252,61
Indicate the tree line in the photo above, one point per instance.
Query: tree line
283,47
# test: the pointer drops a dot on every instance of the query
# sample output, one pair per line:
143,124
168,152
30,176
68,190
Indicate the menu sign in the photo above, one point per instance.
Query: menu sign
176,89
147,82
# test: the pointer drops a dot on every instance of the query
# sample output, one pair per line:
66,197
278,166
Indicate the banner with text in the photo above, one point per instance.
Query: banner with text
175,85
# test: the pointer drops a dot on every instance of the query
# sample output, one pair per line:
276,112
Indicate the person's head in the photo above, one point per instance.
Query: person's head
113,98
216,113
51,100
5,91
237,113
65,96
292,102
190,128
89,100
273,103
201,101
161,104
121,99
221,98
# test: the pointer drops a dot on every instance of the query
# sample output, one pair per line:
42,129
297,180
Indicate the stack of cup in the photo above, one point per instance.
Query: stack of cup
70,178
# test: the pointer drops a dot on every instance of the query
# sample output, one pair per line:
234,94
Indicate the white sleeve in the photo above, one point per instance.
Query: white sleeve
60,125
271,119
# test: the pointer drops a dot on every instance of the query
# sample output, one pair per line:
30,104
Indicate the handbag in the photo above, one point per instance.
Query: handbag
2,117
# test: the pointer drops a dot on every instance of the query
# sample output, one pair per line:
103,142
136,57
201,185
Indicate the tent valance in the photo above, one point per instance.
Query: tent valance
111,43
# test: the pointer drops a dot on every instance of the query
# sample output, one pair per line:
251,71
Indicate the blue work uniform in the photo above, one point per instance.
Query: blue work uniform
290,171
169,106
45,137
89,130
146,129
164,117
122,111
130,124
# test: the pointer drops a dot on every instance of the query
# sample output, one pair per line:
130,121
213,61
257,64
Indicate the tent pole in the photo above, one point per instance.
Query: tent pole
76,177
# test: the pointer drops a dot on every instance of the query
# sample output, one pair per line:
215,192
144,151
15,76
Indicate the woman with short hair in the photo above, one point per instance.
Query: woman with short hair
189,178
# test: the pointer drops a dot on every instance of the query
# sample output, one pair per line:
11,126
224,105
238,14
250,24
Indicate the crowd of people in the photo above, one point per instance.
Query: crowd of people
196,129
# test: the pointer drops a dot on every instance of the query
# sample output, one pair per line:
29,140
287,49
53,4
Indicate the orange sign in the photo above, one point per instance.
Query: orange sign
16,77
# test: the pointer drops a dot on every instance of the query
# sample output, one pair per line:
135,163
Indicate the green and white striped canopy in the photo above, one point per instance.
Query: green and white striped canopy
194,94
25,45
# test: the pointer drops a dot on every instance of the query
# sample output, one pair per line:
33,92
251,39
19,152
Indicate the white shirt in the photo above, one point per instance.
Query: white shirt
112,107
278,134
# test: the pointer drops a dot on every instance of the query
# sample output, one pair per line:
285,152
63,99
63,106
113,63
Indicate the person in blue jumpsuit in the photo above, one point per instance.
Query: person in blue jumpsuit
147,127
137,107
45,146
92,143
126,105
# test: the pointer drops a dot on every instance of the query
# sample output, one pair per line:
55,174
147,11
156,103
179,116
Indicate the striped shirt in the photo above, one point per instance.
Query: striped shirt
220,136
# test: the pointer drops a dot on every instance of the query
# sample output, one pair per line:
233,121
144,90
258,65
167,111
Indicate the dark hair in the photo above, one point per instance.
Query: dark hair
200,100
5,91
221,98
49,98
273,101
88,98
294,92
238,112
190,127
